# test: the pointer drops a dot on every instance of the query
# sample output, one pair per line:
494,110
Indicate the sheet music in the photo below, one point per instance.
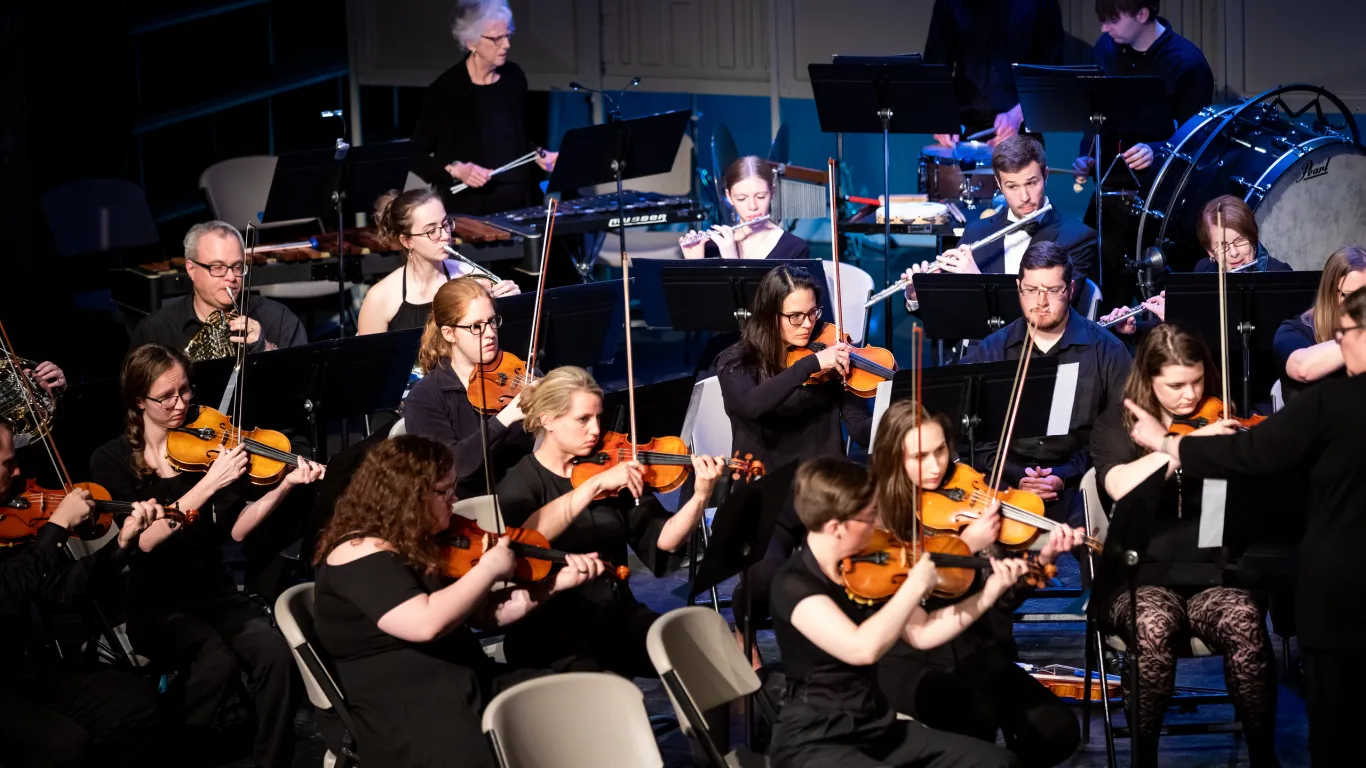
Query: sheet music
1064,393
1213,499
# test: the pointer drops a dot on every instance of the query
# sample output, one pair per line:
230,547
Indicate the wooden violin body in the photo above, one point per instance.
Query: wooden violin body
32,508
464,543
193,446
1210,410
964,495
493,386
868,366
665,462
1070,683
876,573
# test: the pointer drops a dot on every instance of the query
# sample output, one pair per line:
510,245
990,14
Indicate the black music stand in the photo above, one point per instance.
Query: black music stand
710,294
1054,98
318,183
1257,305
616,151
966,306
976,398
580,324
886,95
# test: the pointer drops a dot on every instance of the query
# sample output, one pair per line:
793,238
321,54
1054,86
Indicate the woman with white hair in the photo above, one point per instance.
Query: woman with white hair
474,118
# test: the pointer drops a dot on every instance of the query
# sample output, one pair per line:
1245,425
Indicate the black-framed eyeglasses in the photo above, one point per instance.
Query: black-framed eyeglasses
1342,295
798,318
1223,248
435,231
448,493
478,329
1031,292
499,39
1340,333
219,270
184,395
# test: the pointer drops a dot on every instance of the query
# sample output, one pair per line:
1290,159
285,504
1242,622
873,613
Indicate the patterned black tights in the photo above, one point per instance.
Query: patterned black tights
1230,622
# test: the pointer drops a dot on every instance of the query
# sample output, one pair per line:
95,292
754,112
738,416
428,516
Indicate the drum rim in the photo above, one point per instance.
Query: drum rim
1190,159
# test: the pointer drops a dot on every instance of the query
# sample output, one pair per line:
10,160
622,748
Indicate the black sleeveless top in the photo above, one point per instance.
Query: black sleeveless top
411,315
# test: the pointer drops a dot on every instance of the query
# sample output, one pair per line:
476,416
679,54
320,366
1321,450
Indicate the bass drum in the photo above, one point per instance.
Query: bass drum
1305,183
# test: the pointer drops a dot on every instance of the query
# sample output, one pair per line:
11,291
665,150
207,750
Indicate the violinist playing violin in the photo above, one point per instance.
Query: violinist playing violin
462,336
835,713
184,608
57,713
398,630
1052,467
602,626
970,685
1182,587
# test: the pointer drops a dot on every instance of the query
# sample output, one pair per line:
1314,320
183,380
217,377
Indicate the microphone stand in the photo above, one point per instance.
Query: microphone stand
618,166
339,204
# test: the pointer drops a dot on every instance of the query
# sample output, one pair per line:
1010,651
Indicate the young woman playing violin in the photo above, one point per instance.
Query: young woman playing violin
1181,585
749,191
397,629
777,413
184,608
602,626
462,335
830,644
1304,346
970,684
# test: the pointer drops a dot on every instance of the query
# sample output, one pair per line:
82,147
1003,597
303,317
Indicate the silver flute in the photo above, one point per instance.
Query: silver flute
1128,313
479,269
698,235
991,238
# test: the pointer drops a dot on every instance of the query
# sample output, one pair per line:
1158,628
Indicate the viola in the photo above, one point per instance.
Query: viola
965,494
868,366
493,386
665,462
464,543
32,508
1210,410
193,446
876,573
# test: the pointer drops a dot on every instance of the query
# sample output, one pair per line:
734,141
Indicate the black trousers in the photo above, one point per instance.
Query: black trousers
211,643
979,696
71,717
1333,681
905,745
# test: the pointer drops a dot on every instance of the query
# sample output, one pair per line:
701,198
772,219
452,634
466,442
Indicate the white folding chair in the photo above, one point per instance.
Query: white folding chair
856,286
1088,299
482,510
294,616
706,428
572,720
237,190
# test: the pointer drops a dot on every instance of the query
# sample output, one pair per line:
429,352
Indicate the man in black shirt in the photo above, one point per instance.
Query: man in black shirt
1320,433
1053,467
216,264
980,40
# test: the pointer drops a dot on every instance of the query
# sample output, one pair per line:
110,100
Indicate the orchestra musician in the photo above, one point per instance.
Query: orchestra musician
184,609
749,190
971,684
397,629
1135,41
56,712
1021,169
835,713
216,263
1182,587
980,42
602,626
1052,467
462,333
775,415
415,223
474,118
1319,434
1304,344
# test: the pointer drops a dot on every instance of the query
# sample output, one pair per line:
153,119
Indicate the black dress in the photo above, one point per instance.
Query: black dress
410,315
789,246
415,704
601,625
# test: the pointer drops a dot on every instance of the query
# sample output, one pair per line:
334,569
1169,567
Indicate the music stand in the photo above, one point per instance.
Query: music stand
618,150
580,324
710,294
1068,98
1257,305
966,306
886,95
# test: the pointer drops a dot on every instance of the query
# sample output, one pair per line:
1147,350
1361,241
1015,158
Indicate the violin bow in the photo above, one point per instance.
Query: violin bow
835,251
31,399
529,374
1008,428
1223,311
630,361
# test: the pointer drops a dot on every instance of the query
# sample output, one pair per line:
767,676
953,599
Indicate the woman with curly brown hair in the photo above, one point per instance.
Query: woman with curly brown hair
397,630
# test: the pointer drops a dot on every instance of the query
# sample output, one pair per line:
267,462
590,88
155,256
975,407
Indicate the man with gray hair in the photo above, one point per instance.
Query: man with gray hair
216,263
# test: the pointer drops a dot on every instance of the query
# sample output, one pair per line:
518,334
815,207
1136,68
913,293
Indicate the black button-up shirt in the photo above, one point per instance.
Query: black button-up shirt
176,323
1103,367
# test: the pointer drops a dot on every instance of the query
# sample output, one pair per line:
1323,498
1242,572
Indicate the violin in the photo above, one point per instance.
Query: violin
876,573
868,366
492,387
965,494
32,508
193,446
1070,683
665,462
1210,410
464,543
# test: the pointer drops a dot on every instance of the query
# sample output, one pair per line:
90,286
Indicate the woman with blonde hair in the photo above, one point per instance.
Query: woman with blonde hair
1304,345
603,626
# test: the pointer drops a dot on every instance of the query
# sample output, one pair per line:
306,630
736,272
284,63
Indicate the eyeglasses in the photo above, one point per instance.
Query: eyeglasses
1031,292
1339,333
478,329
798,318
185,395
435,231
499,39
219,270
447,493
1223,248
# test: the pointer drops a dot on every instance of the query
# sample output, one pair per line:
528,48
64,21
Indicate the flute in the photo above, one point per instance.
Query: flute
991,238
698,235
1128,313
475,267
